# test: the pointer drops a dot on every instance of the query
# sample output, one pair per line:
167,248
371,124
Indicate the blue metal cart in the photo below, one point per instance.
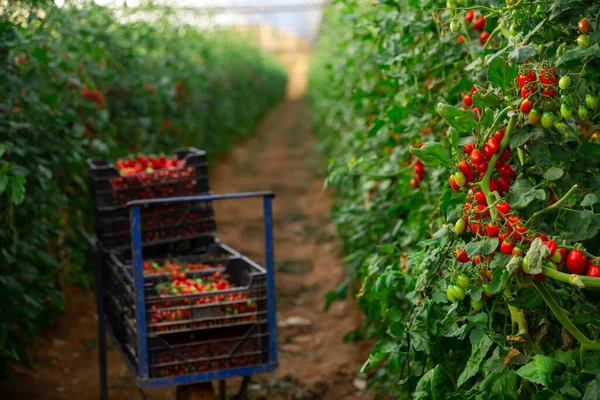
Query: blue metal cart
140,368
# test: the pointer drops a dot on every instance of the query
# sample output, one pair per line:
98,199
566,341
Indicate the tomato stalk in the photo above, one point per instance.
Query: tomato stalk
553,206
485,182
516,315
572,279
563,318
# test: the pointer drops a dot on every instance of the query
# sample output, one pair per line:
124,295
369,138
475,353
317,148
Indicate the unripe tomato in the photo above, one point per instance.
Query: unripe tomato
564,82
583,41
517,251
487,289
464,281
584,26
582,111
450,294
591,101
414,183
576,262
460,226
548,119
566,111
458,292
560,256
476,305
455,26
460,179
453,183
534,116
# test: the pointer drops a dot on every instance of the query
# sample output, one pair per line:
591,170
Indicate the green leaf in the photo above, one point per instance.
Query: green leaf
522,194
593,391
387,249
553,174
497,73
527,298
484,98
589,200
536,255
539,370
1,149
499,280
478,353
522,54
505,386
16,189
431,385
484,247
462,121
519,137
454,138
3,183
431,154
578,53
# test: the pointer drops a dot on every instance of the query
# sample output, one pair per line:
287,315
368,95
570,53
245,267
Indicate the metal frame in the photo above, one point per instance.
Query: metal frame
143,379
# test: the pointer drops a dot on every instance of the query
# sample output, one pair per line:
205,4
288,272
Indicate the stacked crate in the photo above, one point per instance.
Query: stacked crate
204,328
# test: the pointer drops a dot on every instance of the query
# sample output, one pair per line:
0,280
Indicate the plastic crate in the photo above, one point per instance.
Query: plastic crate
161,223
205,331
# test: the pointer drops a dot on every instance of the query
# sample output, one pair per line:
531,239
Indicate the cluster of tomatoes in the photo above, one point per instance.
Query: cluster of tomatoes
193,311
169,267
478,22
143,163
196,357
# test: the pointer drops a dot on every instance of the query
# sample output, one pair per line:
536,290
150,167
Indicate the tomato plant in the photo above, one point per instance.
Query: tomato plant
521,230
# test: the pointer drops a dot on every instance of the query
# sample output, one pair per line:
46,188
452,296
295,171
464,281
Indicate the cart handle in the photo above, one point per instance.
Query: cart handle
207,197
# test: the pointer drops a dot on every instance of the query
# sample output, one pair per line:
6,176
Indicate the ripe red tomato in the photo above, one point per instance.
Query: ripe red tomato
593,271
468,100
548,78
461,256
518,232
467,206
502,234
487,151
477,112
584,26
513,219
483,38
503,208
551,245
522,79
480,197
481,212
499,135
453,183
418,168
507,171
506,247
492,229
576,262
482,167
469,15
526,91
549,91
476,157
493,144
494,187
503,183
479,24
467,170
526,106
469,148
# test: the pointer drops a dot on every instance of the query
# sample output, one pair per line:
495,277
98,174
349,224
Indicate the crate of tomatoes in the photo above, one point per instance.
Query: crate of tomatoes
184,173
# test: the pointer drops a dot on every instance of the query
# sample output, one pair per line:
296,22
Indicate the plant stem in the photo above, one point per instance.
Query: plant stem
516,315
563,318
572,279
553,206
485,182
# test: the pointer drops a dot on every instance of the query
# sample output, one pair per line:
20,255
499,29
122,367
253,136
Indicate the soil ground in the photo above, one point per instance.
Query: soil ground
314,362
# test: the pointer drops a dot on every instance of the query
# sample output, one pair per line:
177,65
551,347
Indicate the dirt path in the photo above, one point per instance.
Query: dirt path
314,361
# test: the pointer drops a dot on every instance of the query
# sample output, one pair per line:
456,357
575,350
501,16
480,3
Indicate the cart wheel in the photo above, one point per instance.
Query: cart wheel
198,391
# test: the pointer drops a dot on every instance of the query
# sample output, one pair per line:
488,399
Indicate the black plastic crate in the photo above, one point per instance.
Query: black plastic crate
191,224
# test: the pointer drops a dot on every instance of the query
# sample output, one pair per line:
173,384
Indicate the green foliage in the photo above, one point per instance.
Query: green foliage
78,82
387,85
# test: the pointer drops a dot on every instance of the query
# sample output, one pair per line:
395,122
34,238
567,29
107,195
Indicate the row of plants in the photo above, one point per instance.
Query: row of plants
464,149
82,81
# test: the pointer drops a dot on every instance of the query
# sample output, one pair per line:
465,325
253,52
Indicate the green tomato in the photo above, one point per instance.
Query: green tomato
556,258
525,264
562,128
514,30
477,305
450,294
566,110
458,292
487,289
582,112
548,119
561,50
564,82
540,9
464,281
583,41
460,179
540,50
455,26
534,116
460,226
591,101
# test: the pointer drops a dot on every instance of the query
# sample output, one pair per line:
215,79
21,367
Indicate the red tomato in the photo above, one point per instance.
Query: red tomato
526,91
519,230
576,262
492,229
506,247
507,171
479,24
503,208
476,157
468,100
461,256
502,234
481,212
503,183
480,197
482,167
467,170
469,148
551,245
513,219
499,135
418,168
477,112
494,145
483,38
529,76
469,15
526,106
453,183
467,206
